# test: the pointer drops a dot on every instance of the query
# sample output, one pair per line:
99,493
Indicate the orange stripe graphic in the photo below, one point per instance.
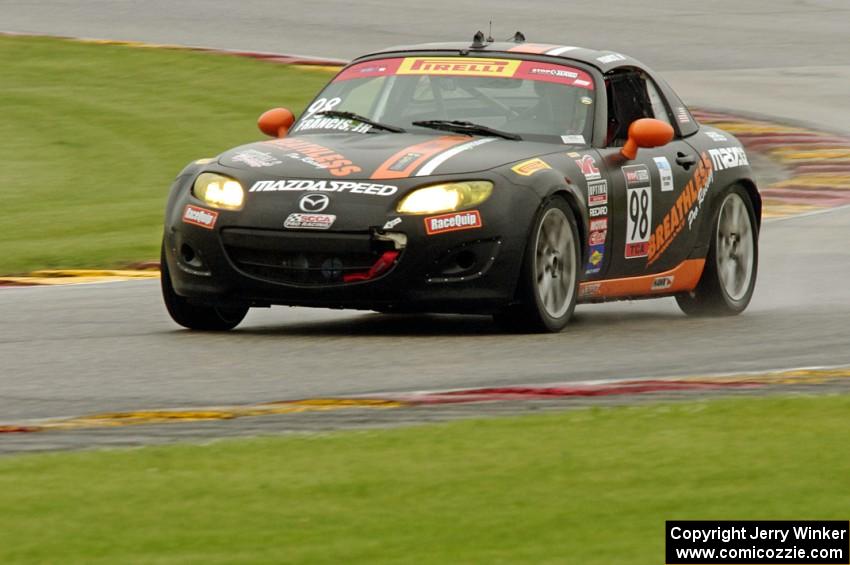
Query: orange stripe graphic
419,153
684,277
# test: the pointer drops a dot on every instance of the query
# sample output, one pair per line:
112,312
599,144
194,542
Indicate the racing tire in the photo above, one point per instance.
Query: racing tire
549,276
729,278
196,316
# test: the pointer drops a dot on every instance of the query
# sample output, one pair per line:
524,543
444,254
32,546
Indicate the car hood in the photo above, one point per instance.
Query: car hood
379,156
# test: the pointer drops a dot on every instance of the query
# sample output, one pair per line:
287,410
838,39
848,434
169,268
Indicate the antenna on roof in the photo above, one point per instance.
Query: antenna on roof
490,33
478,41
518,37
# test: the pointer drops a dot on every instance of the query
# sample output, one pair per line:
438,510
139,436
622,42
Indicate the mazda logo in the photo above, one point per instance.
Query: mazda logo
314,202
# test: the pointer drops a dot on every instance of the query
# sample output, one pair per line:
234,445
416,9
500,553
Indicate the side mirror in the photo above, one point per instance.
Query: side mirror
646,132
276,122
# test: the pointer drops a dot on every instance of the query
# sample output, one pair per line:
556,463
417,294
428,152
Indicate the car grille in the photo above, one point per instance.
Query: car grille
301,258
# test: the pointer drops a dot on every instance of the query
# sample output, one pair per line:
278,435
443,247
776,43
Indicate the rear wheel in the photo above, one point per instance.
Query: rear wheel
196,316
729,278
549,277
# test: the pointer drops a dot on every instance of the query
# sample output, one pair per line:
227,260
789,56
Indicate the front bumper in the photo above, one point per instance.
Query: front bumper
240,260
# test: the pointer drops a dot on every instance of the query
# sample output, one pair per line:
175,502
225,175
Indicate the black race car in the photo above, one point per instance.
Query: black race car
506,178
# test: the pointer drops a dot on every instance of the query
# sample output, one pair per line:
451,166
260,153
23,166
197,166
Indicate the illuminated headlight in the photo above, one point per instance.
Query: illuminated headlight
445,197
219,191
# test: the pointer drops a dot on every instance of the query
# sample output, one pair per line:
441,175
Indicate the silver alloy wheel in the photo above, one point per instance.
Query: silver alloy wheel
735,247
554,265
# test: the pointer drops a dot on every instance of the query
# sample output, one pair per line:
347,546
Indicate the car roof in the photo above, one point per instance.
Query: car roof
602,60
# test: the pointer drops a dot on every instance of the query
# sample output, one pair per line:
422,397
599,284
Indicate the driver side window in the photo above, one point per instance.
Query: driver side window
631,96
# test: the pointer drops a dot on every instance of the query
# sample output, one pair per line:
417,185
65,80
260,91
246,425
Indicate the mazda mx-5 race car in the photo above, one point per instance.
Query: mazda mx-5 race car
505,178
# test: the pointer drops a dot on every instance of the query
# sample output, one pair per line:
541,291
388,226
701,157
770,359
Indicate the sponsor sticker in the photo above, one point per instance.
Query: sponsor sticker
458,66
305,185
662,283
597,192
682,115
588,167
589,289
716,136
597,211
597,237
638,210
612,58
665,173
528,168
684,210
309,221
256,159
599,224
316,155
199,216
594,260
728,158
455,221
573,139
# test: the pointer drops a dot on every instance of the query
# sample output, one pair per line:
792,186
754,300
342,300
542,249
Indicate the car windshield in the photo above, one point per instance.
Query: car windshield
535,100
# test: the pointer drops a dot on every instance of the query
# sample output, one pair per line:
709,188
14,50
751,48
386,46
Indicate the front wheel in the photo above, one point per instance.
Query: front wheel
729,279
550,270
196,316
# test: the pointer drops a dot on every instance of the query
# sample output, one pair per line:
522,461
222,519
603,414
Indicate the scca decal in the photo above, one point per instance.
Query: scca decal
458,66
318,155
684,210
453,222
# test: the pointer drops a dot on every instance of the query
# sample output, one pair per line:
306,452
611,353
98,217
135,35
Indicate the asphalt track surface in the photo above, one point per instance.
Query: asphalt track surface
81,349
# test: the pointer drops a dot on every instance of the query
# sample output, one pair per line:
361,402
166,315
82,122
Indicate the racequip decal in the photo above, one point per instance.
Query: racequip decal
458,66
588,167
528,168
323,186
254,158
638,210
429,167
309,221
199,216
316,155
665,173
597,192
728,158
685,209
404,162
454,221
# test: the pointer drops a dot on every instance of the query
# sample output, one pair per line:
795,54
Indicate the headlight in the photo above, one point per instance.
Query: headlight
445,197
219,191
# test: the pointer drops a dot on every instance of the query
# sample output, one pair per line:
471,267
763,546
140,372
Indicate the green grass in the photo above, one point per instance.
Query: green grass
91,137
590,486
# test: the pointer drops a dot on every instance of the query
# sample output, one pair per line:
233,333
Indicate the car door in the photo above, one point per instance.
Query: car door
643,192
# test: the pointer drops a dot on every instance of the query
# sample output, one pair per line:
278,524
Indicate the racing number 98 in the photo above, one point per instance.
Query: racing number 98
639,214
323,105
